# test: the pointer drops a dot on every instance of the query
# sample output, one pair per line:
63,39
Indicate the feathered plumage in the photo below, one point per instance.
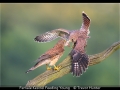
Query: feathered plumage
79,57
51,56
69,36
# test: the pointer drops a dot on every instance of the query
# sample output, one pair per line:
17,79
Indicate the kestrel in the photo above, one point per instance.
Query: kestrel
79,57
51,56
69,36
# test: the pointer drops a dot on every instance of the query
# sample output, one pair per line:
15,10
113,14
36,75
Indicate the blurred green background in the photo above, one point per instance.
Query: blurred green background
20,23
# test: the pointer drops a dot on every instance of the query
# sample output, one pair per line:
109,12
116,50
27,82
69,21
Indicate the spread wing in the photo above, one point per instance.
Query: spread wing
51,35
79,63
79,57
86,21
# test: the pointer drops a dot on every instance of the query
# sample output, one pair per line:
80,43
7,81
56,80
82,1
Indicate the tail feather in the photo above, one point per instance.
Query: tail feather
39,63
83,66
84,63
79,63
86,60
30,70
76,68
80,70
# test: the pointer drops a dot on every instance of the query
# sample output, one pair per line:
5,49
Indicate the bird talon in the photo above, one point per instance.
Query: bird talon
57,68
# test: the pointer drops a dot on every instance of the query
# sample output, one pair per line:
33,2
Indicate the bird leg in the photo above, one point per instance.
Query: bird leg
48,68
57,68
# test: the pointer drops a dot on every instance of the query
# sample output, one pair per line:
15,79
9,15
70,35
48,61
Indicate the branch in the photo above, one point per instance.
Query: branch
48,76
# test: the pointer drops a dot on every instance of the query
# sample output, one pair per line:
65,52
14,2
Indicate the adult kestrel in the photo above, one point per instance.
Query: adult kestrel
51,56
69,36
79,57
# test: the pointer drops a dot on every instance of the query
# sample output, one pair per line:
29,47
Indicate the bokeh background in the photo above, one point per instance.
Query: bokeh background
20,23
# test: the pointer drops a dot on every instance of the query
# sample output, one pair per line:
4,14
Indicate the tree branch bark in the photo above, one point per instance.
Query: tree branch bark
48,76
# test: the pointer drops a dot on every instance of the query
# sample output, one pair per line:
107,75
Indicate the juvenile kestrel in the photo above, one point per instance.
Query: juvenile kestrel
51,56
79,57
69,36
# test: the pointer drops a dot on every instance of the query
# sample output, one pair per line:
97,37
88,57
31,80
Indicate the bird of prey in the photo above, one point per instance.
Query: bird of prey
79,58
68,35
51,56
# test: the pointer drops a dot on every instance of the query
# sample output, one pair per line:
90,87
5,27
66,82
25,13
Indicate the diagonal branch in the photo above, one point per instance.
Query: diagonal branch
48,76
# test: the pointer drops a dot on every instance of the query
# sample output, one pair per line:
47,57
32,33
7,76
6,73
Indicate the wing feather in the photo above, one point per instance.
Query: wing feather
86,21
51,35
79,62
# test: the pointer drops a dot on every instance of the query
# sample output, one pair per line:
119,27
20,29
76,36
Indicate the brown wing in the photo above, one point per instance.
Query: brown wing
79,62
46,58
86,21
79,58
58,48
51,35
